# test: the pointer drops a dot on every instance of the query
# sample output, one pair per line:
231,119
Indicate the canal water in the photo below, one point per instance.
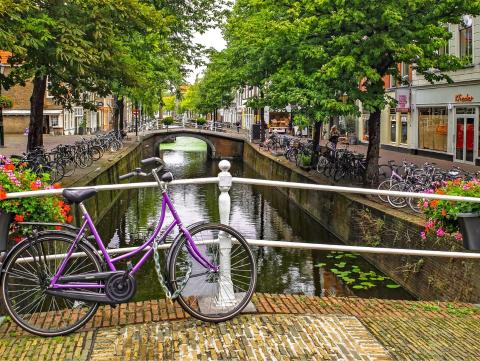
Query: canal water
257,212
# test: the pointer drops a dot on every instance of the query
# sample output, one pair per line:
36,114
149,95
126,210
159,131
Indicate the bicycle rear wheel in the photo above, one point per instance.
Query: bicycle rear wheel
27,274
213,296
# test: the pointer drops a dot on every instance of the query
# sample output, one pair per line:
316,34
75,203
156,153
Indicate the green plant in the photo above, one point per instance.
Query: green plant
442,215
5,102
304,159
167,121
17,177
201,121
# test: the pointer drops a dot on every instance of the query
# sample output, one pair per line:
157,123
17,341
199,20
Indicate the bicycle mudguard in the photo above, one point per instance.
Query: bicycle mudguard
64,233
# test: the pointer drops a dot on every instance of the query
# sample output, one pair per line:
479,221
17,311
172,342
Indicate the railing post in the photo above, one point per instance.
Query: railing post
226,295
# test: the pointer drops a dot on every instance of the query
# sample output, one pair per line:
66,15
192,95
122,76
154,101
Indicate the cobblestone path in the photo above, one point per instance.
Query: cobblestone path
285,327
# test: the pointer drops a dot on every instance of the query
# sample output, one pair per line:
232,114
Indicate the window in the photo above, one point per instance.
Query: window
365,117
49,85
466,39
405,70
53,120
393,81
433,128
404,131
445,50
393,125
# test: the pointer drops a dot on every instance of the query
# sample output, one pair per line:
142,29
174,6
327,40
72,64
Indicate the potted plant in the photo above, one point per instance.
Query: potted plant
460,219
167,121
17,177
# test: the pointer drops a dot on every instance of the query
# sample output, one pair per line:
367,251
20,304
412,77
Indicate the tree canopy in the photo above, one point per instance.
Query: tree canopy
326,56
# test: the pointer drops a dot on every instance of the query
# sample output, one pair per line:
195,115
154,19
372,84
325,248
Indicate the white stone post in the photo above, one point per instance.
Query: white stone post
226,295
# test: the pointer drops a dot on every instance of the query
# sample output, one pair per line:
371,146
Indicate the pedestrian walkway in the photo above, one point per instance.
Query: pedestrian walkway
285,327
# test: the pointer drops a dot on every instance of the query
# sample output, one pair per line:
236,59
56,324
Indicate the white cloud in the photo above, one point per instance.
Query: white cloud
213,38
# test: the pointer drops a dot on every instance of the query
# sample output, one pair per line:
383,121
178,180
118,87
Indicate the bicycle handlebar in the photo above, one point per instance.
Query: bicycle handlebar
128,175
152,160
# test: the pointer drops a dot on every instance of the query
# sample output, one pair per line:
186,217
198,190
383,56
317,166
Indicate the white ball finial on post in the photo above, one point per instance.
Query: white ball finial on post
226,295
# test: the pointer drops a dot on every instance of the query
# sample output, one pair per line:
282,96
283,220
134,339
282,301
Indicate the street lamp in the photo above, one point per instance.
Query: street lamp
2,138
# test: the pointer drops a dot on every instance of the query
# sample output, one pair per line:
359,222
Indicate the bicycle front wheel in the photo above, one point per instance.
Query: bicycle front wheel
26,277
213,295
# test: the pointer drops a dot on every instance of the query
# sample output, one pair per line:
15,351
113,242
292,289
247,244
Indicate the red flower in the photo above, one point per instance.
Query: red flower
33,186
58,228
19,218
9,166
3,195
57,185
17,239
444,213
69,219
67,208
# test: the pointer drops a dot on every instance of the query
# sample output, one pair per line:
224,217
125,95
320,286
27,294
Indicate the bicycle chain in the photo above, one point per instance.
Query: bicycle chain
161,277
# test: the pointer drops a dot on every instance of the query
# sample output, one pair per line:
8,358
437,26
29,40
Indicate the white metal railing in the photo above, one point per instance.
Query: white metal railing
225,181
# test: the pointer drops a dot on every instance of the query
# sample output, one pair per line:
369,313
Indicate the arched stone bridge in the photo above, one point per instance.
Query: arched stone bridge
220,145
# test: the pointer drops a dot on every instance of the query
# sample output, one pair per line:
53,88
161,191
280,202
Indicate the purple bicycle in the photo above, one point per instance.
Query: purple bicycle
55,280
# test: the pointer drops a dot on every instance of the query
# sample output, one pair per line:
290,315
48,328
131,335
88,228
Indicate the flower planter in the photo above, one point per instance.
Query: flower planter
470,228
5,220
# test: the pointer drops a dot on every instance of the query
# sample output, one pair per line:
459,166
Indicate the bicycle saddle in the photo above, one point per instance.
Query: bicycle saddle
78,195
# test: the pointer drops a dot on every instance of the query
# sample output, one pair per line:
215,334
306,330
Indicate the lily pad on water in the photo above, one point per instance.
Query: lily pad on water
393,286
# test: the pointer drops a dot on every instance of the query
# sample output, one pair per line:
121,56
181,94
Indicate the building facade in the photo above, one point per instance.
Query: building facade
57,120
446,116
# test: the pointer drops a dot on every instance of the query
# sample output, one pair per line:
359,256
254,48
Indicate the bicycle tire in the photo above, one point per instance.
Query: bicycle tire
322,164
192,296
15,270
398,202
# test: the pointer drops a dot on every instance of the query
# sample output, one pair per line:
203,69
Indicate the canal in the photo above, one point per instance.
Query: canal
257,212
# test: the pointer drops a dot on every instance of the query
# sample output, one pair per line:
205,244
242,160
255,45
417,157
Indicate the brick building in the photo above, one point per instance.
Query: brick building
57,119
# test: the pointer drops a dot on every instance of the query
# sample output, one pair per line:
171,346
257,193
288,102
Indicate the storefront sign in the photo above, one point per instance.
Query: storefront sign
402,96
463,98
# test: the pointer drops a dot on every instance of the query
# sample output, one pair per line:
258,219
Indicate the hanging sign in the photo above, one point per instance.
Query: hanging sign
463,98
402,96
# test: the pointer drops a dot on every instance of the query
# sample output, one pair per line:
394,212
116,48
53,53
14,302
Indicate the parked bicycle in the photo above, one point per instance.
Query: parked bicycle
54,281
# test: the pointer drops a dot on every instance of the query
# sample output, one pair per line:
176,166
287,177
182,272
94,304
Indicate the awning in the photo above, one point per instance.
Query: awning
27,112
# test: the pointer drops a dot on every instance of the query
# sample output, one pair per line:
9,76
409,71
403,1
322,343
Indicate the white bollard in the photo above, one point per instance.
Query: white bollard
226,295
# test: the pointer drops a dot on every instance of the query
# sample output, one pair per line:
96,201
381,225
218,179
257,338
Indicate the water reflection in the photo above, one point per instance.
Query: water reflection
257,212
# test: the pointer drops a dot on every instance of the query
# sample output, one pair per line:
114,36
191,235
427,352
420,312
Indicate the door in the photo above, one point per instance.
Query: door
465,127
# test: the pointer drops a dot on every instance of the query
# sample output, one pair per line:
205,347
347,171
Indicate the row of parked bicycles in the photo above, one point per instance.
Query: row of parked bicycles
64,159
344,164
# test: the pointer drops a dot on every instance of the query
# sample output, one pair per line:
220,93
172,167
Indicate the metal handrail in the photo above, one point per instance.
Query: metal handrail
252,181
225,181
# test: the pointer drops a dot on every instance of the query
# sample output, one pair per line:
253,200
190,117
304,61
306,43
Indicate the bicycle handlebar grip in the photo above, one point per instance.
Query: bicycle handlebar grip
126,176
152,160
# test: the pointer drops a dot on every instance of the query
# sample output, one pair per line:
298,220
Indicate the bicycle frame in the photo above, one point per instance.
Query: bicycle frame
166,203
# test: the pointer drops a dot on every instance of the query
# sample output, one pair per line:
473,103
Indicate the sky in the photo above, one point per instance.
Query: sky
211,39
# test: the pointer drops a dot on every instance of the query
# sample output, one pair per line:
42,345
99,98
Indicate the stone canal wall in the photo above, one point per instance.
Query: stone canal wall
357,220
124,162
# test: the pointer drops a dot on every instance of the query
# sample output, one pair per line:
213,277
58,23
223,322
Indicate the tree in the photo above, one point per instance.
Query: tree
325,55
364,41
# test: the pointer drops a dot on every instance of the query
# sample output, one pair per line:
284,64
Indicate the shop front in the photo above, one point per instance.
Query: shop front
446,122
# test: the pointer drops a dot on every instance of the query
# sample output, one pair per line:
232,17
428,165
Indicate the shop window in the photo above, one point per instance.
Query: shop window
393,81
404,130
466,39
433,128
393,128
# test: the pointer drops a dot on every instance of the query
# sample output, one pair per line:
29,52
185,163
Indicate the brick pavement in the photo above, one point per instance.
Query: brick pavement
285,327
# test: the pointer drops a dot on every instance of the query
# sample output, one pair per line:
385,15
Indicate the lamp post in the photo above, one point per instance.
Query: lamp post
2,138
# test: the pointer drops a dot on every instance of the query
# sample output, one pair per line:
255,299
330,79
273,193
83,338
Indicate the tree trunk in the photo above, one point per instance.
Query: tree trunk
120,113
373,152
316,141
160,107
35,130
116,114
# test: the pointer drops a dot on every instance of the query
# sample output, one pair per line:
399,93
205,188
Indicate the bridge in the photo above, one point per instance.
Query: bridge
220,145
